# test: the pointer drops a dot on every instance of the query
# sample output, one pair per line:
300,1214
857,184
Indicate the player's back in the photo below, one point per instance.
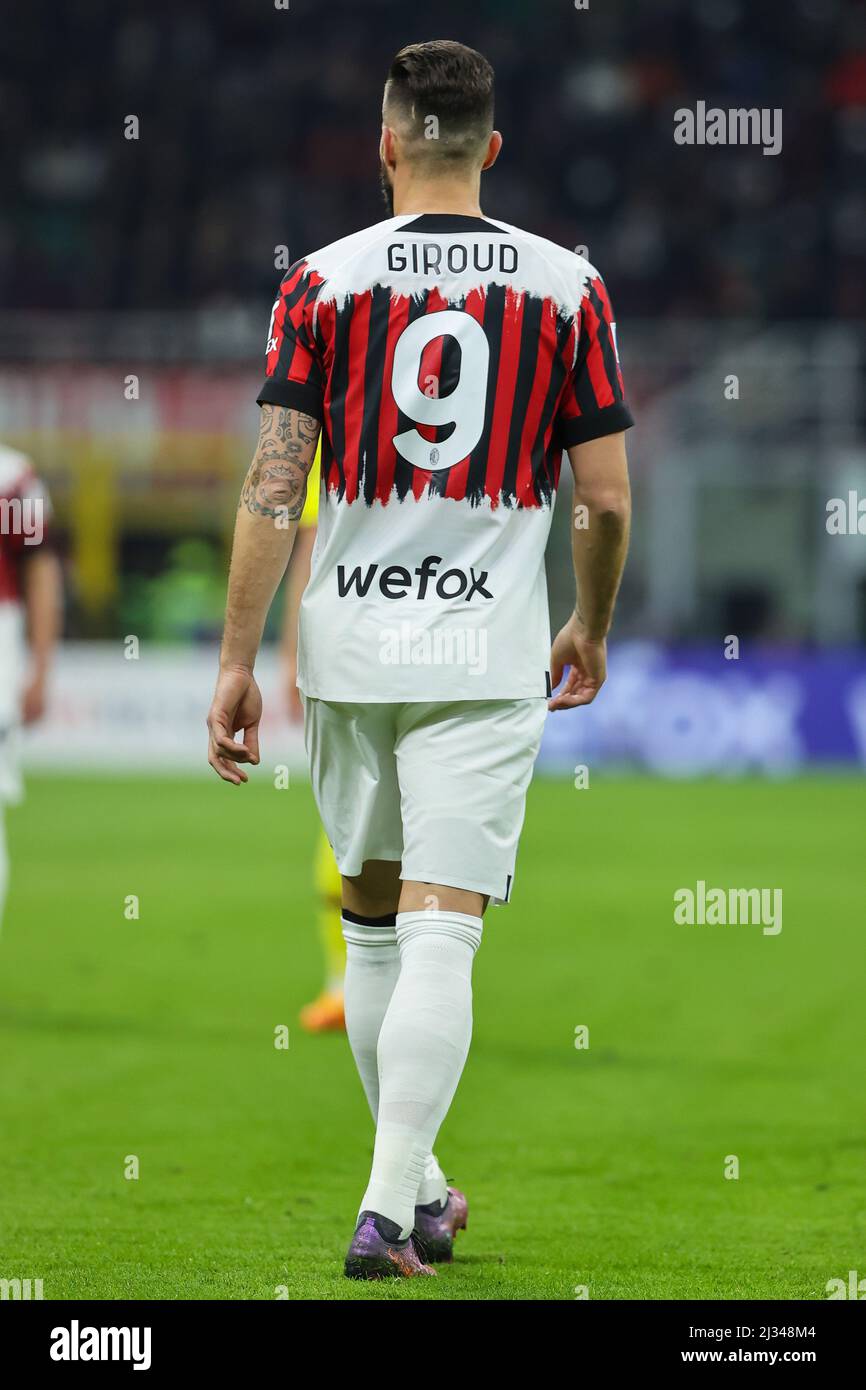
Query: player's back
450,360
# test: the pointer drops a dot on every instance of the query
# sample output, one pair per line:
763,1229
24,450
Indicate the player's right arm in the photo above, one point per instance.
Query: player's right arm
599,543
271,502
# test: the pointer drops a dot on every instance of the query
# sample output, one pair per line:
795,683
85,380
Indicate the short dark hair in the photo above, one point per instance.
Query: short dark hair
451,82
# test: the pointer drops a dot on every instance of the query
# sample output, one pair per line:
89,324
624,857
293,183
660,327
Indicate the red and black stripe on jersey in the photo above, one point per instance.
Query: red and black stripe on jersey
553,381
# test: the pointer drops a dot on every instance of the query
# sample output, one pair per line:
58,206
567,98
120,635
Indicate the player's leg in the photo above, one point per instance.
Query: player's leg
372,962
326,1011
422,1047
375,891
463,771
371,899
354,777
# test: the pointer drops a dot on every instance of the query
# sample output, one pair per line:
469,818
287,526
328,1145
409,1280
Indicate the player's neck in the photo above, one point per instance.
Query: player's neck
460,196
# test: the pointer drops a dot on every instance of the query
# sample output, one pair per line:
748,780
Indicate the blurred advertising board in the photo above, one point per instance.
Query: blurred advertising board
673,711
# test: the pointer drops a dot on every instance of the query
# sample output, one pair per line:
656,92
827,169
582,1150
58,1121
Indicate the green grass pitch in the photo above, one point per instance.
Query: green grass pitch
600,1168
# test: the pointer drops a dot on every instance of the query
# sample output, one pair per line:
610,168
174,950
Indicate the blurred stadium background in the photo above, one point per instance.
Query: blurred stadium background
156,258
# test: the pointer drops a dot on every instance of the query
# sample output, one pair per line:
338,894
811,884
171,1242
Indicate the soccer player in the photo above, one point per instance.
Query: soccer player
326,1012
30,590
448,359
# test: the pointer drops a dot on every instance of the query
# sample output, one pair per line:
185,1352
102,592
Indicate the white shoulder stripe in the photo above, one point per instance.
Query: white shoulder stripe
409,263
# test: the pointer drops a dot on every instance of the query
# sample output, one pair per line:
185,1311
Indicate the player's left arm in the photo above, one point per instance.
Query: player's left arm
42,588
271,502
599,545
592,423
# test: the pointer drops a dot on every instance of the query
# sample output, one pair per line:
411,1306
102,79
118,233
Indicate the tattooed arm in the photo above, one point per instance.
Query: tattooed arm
271,502
276,483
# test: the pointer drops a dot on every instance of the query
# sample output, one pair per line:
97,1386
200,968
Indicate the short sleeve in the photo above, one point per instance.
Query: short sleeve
294,376
593,401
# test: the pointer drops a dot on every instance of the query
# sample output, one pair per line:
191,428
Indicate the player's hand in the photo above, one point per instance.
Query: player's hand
237,704
33,700
586,658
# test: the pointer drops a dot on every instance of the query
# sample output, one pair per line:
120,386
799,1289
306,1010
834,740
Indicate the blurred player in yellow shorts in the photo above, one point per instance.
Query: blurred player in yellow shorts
326,1011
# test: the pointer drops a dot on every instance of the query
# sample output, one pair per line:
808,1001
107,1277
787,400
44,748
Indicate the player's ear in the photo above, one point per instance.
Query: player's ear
387,147
493,147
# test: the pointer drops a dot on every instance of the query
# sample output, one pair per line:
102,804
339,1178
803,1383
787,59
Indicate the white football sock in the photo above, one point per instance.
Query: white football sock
423,1044
372,967
433,1186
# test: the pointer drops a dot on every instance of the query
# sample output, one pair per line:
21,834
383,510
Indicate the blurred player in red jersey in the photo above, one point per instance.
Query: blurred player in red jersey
30,604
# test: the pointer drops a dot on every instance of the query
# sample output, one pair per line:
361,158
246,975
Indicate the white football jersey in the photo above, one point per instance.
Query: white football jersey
450,360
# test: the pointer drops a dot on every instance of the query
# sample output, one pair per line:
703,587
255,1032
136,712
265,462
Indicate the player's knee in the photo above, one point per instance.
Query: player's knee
438,897
375,891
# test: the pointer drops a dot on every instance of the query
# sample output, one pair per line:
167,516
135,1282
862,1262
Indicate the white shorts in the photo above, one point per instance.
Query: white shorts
441,788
